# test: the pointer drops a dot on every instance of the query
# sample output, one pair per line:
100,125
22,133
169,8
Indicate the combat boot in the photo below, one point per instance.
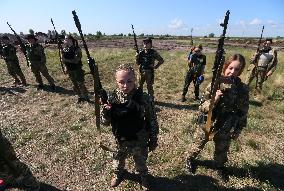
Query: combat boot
191,165
116,179
27,182
145,182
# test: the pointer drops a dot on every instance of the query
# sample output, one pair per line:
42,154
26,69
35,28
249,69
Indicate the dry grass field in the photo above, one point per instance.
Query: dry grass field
57,138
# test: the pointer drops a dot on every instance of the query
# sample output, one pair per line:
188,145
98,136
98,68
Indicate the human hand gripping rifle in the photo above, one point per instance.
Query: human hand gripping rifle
217,70
135,40
58,46
23,47
97,82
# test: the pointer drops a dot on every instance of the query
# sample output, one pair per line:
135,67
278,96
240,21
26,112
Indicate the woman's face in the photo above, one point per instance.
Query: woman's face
125,81
233,70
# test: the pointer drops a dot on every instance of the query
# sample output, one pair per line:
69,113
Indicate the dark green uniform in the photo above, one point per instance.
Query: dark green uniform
9,54
71,57
196,68
229,118
146,61
12,170
37,61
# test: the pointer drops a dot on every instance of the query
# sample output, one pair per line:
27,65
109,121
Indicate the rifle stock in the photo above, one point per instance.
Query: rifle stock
58,46
217,70
23,47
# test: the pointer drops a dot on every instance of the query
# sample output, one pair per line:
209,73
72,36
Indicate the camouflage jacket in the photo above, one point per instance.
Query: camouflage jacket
144,106
266,59
233,105
36,53
9,53
146,60
197,63
71,57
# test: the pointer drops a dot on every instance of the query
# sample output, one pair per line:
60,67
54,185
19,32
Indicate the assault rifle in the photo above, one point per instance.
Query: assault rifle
217,69
191,40
99,91
58,46
255,59
1,47
23,47
135,40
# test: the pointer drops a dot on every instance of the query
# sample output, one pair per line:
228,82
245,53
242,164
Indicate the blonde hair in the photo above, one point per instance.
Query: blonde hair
125,67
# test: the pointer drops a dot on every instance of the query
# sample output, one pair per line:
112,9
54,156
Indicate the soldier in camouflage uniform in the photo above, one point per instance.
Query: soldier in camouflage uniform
266,60
13,172
146,61
134,124
9,54
37,59
71,57
229,114
196,64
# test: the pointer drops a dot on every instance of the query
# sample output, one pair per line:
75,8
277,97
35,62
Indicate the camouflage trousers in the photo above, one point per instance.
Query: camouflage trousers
190,76
78,81
148,76
222,145
39,68
12,170
260,74
15,71
138,149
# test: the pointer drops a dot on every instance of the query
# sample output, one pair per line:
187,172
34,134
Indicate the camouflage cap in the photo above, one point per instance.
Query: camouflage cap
147,40
30,36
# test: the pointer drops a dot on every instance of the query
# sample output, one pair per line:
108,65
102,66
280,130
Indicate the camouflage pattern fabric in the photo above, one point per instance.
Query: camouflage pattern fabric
267,62
71,57
229,118
10,56
146,62
37,60
138,148
12,170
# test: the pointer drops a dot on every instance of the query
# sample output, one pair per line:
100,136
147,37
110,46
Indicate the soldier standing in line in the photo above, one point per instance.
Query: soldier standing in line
134,124
263,64
196,64
13,172
9,54
71,57
146,61
229,115
37,59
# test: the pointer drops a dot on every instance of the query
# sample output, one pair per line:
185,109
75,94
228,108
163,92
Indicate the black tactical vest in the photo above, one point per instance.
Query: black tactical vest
147,59
70,53
127,119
